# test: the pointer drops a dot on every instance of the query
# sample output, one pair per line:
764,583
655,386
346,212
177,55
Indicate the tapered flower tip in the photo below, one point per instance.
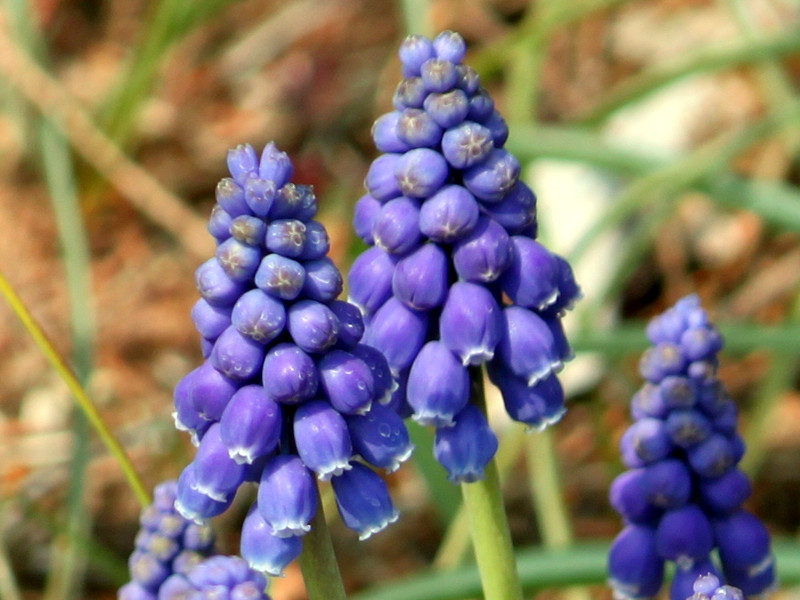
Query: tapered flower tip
448,215
725,494
635,569
467,144
645,442
365,212
684,584
484,254
251,424
260,195
742,540
264,551
313,326
382,381
322,439
538,406
275,165
528,347
667,483
420,279
210,321
398,332
346,381
713,456
370,279
466,447
280,276
687,427
449,45
238,356
242,162
194,505
216,474
396,227
208,391
471,323
351,323
215,285
410,93
380,437
230,200
287,496
438,385
363,501
420,172
627,497
516,212
323,280
289,374
662,360
380,181
491,179
414,51
258,316
532,278
684,534
133,590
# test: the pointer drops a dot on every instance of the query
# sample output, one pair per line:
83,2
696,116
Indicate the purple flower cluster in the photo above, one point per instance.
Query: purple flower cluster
287,391
454,277
216,577
709,587
682,497
167,544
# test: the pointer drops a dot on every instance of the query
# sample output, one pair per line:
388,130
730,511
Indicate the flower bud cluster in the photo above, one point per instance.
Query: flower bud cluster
709,587
167,544
287,392
216,577
454,277
682,496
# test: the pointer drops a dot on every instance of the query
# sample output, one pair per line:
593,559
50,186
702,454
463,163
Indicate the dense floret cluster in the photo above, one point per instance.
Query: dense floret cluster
287,391
709,587
216,577
682,497
454,277
167,544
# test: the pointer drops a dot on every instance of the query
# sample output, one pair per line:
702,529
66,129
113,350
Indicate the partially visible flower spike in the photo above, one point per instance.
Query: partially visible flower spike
454,278
682,499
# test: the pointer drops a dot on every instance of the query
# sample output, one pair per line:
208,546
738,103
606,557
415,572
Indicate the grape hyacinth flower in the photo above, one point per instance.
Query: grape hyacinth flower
288,393
454,277
166,545
709,587
682,497
217,577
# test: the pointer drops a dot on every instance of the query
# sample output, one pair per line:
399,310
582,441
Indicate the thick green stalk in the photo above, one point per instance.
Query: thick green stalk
318,562
491,538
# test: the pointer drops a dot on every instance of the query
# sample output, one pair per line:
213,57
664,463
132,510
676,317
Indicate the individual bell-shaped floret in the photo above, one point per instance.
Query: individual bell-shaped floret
208,392
287,496
239,261
528,348
743,541
370,279
385,133
667,483
264,550
317,242
684,534
323,280
294,201
260,195
380,437
248,230
275,165
420,172
448,215
483,254
438,385
238,356
313,326
398,332
723,495
687,427
251,424
286,237
538,406
216,286
413,52
289,374
627,497
661,361
467,144
322,439
346,382
491,179
396,226
447,109
420,279
380,181
194,505
645,442
230,198
363,500
531,280
713,456
471,323
418,129
216,474
636,571
516,212
467,446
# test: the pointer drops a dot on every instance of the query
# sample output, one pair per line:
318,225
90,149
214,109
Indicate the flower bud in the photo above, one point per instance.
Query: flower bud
410,93
260,195
627,497
491,179
420,172
312,325
216,474
448,215
351,323
237,356
317,241
365,212
346,381
239,261
635,569
481,106
396,227
382,381
471,323
414,51
384,133
645,442
210,321
484,253
465,448
259,316
527,348
289,375
286,237
322,439
516,212
215,285
467,144
713,456
370,279
280,276
420,279
219,224
438,75
531,279
381,181
275,165
687,427
438,386
287,496
363,501
725,494
667,483
684,534
418,129
208,391
242,162
398,332
380,437
323,280
447,109
194,505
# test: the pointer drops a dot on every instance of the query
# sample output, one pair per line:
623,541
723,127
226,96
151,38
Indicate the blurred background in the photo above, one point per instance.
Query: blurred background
661,137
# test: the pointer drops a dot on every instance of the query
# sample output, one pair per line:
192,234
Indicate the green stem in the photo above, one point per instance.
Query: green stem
318,562
491,538
75,387
415,15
